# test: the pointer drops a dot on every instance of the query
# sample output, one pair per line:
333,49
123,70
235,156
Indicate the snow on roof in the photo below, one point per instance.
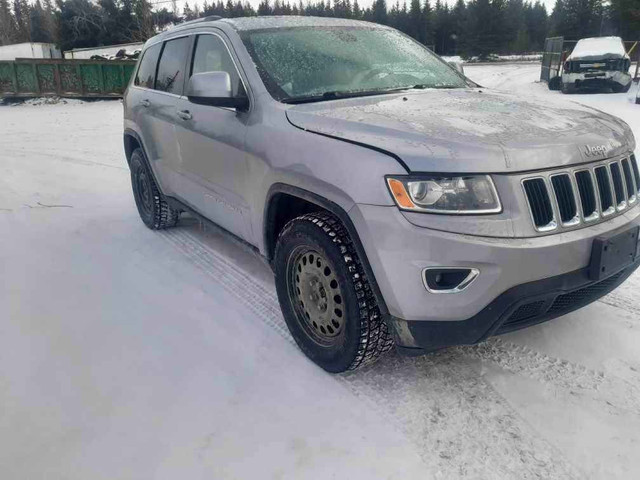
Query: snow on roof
591,48
258,23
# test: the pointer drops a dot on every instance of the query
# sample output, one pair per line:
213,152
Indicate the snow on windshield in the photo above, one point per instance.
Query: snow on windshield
308,61
608,47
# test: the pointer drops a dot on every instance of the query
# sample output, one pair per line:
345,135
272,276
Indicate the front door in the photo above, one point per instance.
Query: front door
211,142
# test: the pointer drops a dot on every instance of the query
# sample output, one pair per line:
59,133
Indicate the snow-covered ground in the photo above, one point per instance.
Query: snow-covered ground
131,354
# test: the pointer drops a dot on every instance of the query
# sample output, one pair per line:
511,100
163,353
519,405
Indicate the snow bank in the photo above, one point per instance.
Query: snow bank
602,47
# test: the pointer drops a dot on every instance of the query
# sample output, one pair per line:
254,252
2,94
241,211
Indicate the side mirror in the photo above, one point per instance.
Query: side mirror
214,88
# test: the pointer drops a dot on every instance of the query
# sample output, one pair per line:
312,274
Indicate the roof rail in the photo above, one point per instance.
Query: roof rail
210,18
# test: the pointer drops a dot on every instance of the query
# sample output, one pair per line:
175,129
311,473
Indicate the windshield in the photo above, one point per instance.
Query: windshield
307,63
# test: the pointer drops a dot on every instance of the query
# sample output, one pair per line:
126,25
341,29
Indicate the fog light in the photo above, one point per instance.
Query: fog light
448,279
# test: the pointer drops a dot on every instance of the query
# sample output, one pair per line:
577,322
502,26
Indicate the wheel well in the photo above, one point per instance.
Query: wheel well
283,208
130,144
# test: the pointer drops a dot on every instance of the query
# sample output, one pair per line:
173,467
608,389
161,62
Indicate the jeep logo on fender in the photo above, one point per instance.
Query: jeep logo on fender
596,150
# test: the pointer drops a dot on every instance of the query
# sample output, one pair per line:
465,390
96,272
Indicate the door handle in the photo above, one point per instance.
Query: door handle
184,114
145,102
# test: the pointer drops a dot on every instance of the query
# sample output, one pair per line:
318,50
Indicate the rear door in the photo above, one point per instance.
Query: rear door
211,143
160,82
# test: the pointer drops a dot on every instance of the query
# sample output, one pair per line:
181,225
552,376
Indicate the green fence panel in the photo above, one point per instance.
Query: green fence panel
91,78
70,81
6,77
47,78
26,78
128,71
70,78
114,80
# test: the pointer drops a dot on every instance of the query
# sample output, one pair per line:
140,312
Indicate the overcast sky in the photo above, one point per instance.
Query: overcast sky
363,3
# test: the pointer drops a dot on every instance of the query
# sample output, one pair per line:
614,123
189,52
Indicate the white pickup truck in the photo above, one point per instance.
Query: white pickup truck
597,63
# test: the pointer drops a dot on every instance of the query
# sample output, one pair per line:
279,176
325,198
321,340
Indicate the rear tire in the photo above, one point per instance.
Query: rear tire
325,296
154,210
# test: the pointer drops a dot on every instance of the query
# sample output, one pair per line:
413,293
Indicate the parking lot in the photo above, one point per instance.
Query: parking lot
128,354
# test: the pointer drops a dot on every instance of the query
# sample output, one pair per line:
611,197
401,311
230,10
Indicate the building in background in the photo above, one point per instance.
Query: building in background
29,50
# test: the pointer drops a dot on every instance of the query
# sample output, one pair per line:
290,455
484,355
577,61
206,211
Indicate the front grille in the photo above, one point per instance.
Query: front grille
604,187
539,202
554,305
572,300
585,194
526,311
564,195
636,173
629,181
618,187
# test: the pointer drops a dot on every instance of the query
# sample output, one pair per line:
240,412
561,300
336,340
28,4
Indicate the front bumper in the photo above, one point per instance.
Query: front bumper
512,271
518,307
596,79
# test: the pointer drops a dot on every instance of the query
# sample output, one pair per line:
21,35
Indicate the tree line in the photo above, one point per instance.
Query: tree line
471,28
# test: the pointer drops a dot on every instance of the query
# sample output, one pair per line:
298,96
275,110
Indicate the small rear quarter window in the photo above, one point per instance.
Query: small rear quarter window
146,75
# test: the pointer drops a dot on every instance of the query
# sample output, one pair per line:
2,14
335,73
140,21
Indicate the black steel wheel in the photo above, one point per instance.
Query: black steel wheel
154,210
325,295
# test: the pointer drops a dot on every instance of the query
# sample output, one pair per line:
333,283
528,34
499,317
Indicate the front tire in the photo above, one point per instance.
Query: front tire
617,88
325,296
154,210
569,88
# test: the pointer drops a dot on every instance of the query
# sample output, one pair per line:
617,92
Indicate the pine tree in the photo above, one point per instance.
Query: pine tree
8,29
357,13
427,24
265,8
379,12
415,27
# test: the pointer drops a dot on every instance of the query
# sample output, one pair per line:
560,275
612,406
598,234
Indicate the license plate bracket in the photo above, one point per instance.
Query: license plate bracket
611,254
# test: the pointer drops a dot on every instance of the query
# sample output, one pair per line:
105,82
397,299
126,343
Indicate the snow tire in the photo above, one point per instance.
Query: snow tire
154,210
365,335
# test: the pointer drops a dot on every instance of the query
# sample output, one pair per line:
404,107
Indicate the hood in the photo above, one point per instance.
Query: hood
598,48
469,130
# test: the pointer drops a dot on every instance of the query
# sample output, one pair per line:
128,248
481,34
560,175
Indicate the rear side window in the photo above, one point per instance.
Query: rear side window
211,55
171,67
147,71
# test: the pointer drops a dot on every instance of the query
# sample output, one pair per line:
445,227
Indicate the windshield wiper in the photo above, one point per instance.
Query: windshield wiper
338,94
423,86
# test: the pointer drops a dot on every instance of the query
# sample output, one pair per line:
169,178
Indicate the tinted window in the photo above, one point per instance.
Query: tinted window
171,67
147,72
211,55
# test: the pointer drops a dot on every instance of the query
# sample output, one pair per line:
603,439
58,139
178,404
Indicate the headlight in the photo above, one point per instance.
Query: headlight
464,194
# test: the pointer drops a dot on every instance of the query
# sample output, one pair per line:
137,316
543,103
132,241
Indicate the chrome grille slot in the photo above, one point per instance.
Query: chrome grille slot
587,191
539,204
618,185
565,198
629,181
606,192
636,173
571,197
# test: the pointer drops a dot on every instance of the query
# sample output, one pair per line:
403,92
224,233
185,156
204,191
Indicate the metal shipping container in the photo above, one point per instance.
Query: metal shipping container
67,78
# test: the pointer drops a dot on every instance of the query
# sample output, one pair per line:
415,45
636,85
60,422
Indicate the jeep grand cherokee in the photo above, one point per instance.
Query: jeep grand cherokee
397,201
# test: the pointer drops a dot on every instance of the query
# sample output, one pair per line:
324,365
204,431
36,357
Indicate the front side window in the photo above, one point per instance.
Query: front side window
146,75
171,66
211,55
305,62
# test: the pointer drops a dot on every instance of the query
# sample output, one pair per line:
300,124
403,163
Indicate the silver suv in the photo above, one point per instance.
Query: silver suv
398,202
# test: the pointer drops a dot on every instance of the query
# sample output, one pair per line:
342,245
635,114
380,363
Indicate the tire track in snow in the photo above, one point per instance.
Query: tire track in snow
615,394
451,412
461,425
